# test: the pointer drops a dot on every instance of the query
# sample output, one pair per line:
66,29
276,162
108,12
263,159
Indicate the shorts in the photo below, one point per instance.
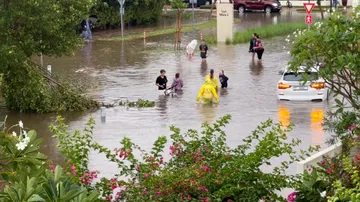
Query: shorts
203,55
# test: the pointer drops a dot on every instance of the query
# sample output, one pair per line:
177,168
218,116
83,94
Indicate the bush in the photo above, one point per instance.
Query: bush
201,167
26,176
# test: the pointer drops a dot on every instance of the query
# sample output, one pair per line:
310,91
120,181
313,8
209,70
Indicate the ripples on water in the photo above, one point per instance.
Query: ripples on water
129,69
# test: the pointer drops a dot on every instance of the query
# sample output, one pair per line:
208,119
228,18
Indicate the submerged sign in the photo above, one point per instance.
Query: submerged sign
225,21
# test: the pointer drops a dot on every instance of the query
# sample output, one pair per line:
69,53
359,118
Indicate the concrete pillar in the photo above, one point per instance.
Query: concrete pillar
225,21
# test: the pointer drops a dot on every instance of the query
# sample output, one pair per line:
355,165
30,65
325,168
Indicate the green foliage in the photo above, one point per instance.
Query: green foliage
202,166
310,187
178,4
208,24
264,32
228,41
135,10
25,176
139,103
339,35
50,32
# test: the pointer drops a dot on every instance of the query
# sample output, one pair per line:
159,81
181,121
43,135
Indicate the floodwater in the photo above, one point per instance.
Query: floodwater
113,70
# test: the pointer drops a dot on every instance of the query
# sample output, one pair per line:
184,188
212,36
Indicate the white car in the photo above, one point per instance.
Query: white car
292,87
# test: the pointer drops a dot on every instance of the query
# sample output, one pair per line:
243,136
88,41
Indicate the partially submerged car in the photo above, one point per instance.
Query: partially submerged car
292,86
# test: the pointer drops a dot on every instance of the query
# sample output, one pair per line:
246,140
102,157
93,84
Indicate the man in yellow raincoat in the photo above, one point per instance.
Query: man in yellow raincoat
207,93
213,80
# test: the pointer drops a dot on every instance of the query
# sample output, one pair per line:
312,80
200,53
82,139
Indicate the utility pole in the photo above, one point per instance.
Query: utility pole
122,11
193,13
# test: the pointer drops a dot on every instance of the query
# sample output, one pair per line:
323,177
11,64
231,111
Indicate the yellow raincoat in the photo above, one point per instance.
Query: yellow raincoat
213,81
207,93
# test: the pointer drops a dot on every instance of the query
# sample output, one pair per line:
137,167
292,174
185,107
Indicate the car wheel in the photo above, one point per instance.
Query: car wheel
268,9
241,9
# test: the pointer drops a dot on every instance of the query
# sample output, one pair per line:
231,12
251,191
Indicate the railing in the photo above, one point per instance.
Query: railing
314,159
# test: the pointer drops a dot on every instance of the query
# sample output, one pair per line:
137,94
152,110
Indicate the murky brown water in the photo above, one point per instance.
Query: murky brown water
128,69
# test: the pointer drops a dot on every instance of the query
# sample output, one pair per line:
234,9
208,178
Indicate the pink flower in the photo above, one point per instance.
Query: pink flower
158,193
323,162
182,197
138,168
118,193
72,167
52,167
291,197
146,175
144,192
189,197
86,174
73,173
329,170
309,169
352,127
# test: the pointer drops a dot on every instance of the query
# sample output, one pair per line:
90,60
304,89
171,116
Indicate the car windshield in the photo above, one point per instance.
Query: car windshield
292,76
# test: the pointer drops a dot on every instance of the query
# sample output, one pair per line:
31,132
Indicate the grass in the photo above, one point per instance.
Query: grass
317,9
186,28
264,32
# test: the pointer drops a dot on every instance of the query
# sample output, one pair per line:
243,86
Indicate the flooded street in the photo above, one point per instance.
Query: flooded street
113,70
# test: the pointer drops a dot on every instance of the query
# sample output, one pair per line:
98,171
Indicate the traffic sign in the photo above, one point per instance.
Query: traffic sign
309,7
308,19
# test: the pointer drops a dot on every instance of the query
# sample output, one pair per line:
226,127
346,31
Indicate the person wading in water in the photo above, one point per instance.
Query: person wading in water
203,50
252,45
161,81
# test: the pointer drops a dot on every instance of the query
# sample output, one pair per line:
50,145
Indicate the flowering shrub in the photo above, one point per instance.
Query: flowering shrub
26,176
201,167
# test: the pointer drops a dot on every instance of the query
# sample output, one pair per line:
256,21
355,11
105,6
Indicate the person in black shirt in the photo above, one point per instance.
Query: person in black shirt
223,79
252,45
161,80
203,50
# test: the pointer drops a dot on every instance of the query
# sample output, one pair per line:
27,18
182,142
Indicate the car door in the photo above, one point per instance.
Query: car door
259,5
250,4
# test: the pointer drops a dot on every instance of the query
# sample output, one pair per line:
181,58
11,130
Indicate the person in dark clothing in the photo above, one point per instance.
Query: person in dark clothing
223,79
252,45
161,80
203,50
259,49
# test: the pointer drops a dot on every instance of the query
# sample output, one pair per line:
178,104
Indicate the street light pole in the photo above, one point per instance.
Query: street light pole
122,11
193,13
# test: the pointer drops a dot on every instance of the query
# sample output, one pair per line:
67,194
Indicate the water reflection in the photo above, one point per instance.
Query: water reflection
284,116
316,120
162,104
208,111
256,67
203,68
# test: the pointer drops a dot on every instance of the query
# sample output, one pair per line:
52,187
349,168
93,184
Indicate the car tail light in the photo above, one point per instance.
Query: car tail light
318,85
283,86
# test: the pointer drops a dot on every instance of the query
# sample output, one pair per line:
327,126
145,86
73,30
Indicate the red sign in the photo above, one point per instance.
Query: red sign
309,7
308,19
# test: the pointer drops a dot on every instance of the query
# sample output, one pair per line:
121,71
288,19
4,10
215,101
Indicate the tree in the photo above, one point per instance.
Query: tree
335,44
29,28
180,6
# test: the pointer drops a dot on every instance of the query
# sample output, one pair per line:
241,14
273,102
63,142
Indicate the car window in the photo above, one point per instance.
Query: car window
292,76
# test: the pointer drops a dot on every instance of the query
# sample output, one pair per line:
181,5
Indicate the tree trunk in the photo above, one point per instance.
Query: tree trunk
211,9
321,10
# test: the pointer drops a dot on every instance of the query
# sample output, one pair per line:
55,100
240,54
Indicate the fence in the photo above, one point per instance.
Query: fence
314,159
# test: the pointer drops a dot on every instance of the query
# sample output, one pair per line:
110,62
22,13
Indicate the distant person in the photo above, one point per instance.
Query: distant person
259,48
161,81
207,93
223,79
212,78
203,50
177,83
252,45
